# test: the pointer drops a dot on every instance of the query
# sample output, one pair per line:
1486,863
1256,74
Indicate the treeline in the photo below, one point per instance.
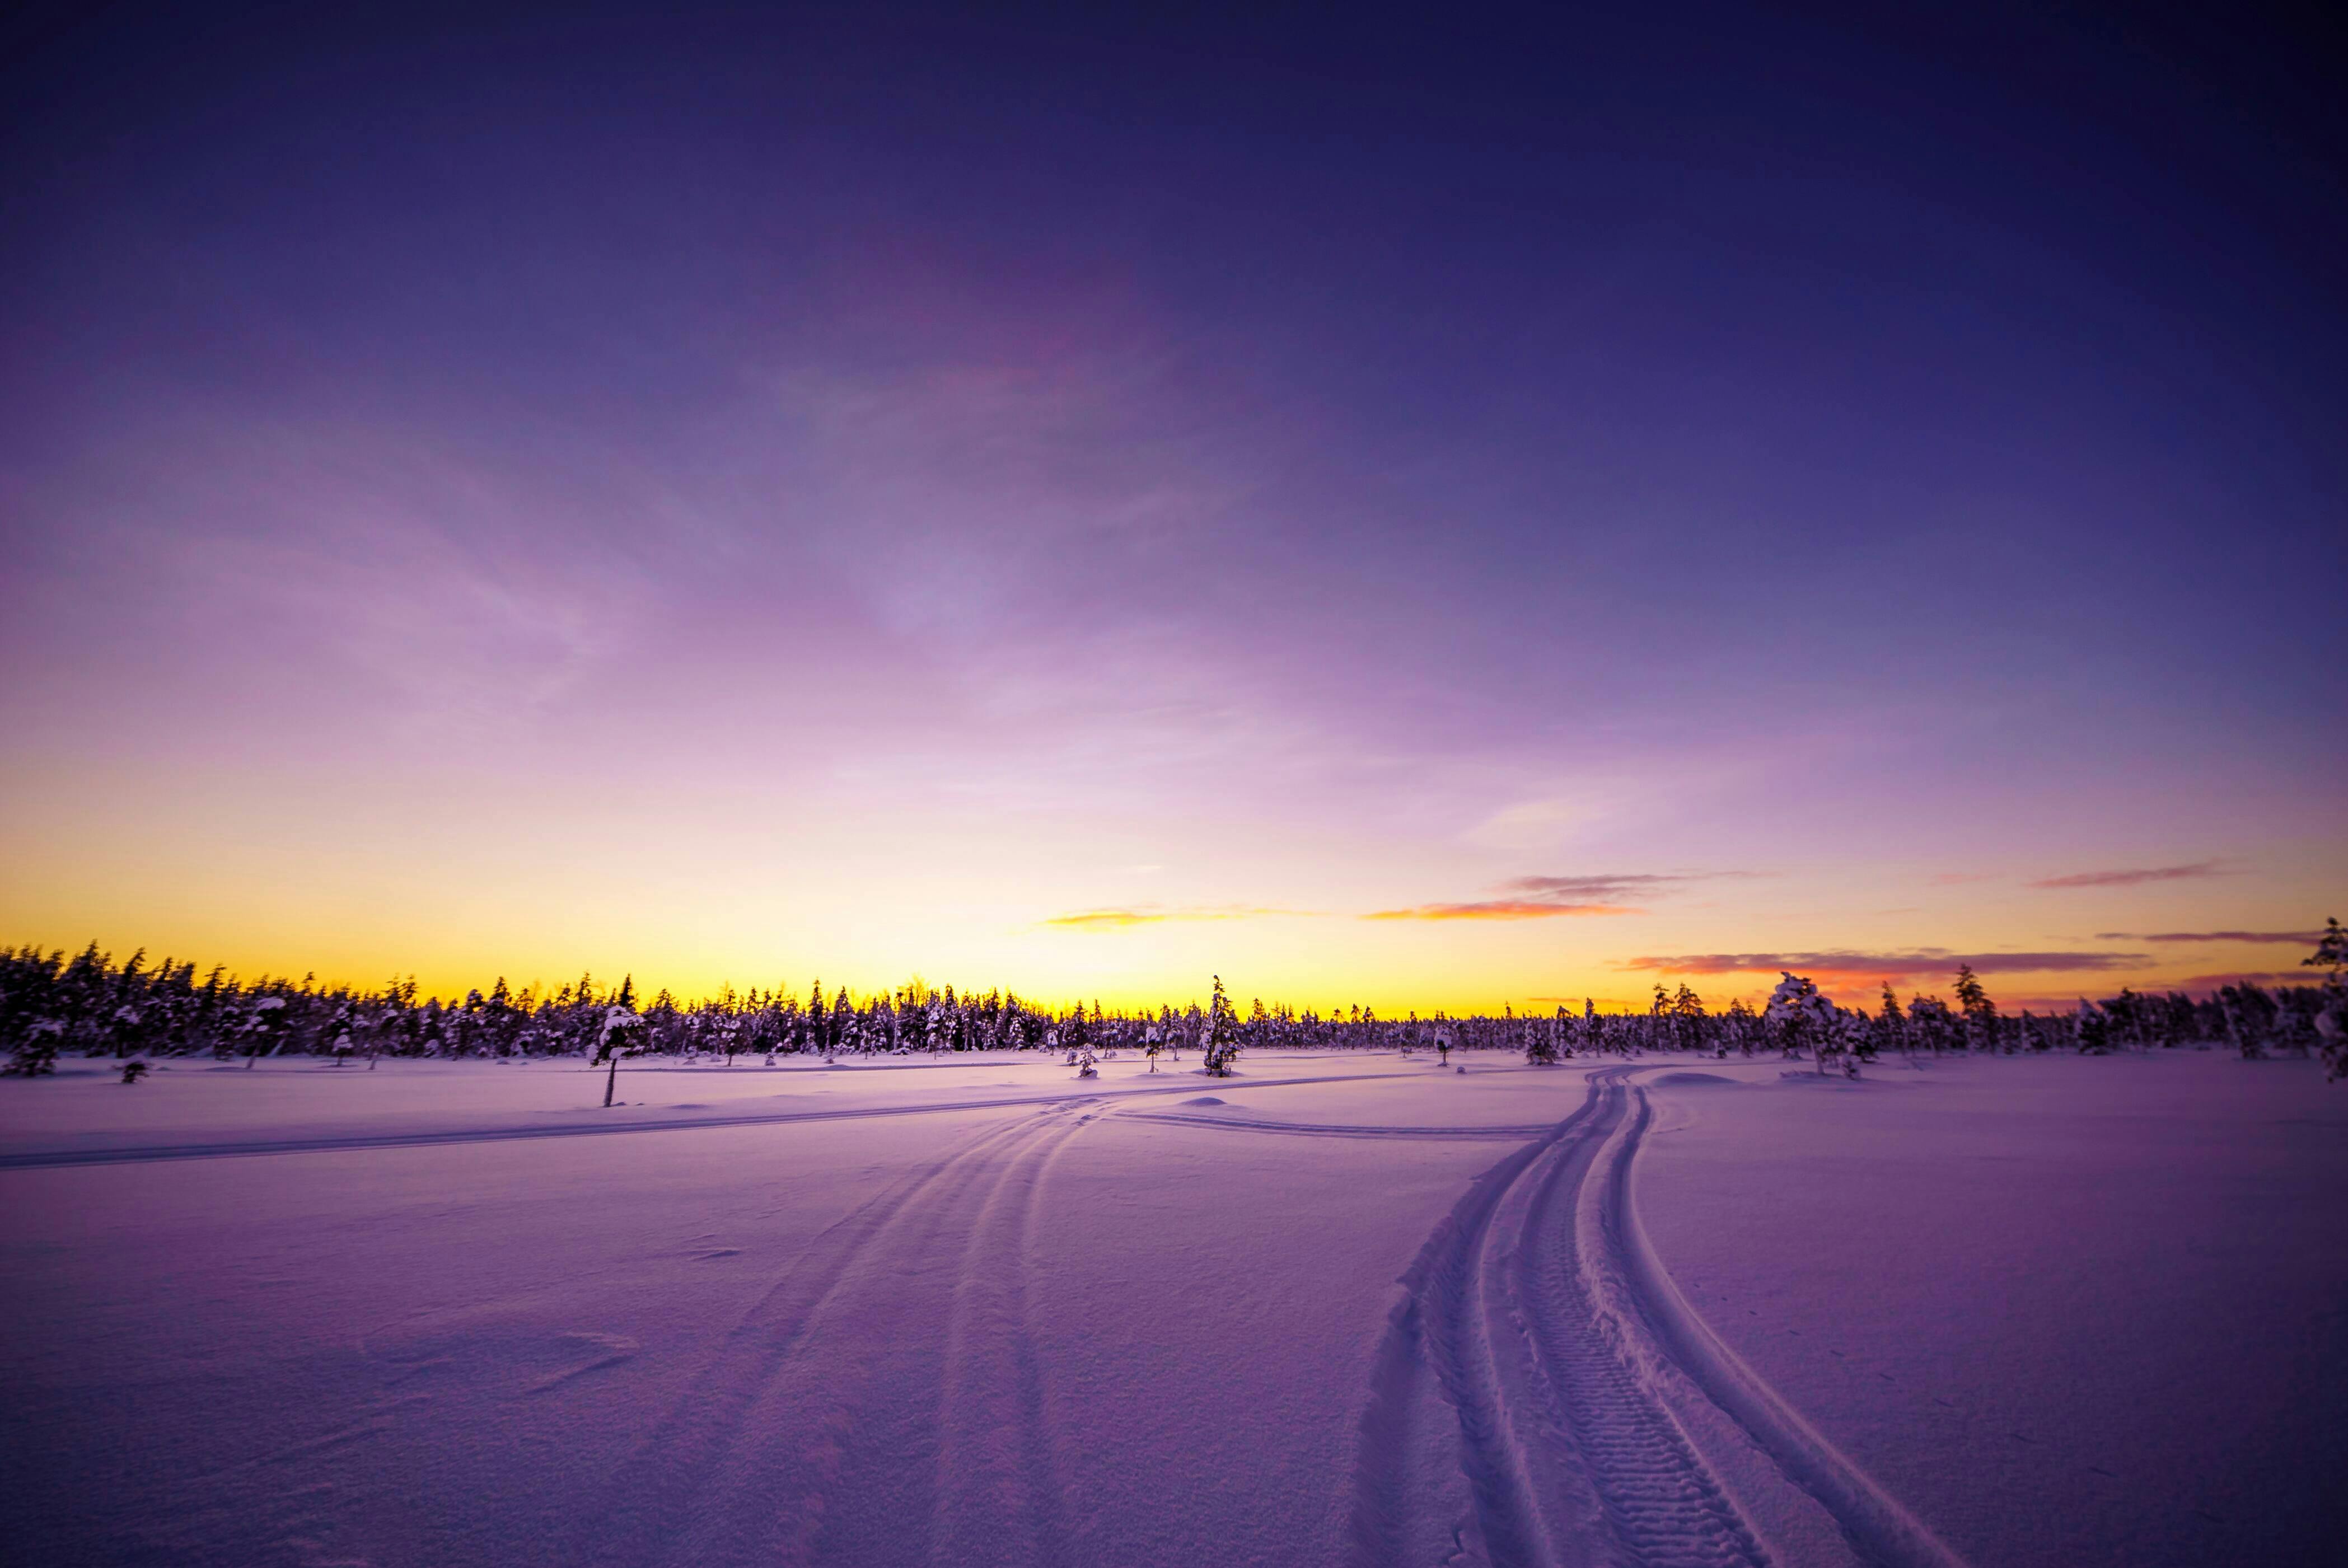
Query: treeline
90,1005
2256,1021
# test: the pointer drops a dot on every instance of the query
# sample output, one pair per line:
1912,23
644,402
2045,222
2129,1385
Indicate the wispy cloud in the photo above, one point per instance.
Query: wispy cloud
1542,897
1847,963
1603,886
2134,878
1118,919
2292,938
2248,977
1499,909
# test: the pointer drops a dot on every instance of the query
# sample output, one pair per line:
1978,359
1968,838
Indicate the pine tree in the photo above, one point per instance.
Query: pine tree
1542,1040
2332,1023
1219,1041
1891,1020
1803,1017
1981,1013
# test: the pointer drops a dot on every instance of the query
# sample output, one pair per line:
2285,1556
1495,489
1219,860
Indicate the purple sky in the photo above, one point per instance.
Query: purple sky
759,496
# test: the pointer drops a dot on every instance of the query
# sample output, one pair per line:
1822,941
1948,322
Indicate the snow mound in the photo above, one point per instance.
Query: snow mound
1693,1080
1203,1099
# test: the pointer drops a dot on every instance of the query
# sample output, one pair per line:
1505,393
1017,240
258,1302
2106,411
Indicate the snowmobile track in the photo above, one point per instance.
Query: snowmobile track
775,1453
1533,1400
356,1142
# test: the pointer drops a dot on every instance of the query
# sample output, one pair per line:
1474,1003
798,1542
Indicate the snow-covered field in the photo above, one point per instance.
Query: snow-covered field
1339,1309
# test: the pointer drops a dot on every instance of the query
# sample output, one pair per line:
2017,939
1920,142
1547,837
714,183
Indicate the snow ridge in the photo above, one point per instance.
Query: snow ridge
1537,1397
1339,1129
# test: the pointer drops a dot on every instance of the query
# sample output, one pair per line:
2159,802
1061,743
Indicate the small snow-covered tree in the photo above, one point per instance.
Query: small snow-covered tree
2332,1022
1931,1022
2249,1018
621,1034
1801,1018
264,1029
1854,1038
1218,1039
2330,955
1891,1023
36,1049
2091,1029
1980,1012
1540,1040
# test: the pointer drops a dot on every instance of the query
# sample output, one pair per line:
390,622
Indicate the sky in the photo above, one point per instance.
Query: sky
1436,509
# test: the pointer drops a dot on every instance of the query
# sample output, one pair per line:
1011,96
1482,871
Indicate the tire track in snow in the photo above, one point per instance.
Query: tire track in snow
998,1493
1687,1363
1660,1503
1432,1464
654,1500
1534,1400
355,1142
813,1434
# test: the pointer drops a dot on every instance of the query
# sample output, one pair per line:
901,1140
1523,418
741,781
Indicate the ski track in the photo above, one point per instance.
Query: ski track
346,1143
1522,1402
886,1387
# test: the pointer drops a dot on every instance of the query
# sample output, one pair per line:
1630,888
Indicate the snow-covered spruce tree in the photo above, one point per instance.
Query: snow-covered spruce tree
2249,1018
1931,1022
37,1048
1891,1023
1541,1039
1689,1021
1854,1036
1980,1012
2129,1019
1218,1039
844,1033
1801,1018
264,1029
2332,1023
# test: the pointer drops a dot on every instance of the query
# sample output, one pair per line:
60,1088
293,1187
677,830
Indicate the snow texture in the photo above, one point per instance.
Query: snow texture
1345,1309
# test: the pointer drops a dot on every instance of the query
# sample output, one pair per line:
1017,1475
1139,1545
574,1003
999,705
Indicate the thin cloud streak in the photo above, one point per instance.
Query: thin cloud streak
1845,963
2247,977
1593,887
1499,909
2291,938
2136,878
1540,897
1119,919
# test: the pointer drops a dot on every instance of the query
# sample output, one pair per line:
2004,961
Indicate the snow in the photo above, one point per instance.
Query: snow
1340,1308
2071,1315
